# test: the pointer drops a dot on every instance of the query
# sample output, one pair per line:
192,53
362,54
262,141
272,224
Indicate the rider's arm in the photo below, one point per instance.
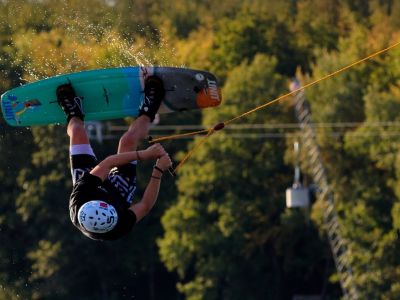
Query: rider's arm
150,195
105,166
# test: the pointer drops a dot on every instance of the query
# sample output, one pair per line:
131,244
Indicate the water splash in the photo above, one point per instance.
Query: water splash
80,45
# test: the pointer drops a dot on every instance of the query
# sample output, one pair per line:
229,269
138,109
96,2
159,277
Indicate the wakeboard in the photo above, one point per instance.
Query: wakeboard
109,94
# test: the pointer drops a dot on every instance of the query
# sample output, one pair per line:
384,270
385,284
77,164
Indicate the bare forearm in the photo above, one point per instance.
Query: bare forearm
151,193
104,167
123,158
150,196
116,160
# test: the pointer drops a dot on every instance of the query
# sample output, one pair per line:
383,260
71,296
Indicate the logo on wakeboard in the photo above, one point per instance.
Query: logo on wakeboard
13,108
213,89
209,95
199,77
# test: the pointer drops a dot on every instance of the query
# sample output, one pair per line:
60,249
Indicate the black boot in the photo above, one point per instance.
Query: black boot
69,102
154,92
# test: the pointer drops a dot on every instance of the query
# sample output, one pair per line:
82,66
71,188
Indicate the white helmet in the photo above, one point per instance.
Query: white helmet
97,216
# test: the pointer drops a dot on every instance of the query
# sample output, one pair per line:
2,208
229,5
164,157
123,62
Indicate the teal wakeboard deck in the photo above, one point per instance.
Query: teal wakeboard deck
109,94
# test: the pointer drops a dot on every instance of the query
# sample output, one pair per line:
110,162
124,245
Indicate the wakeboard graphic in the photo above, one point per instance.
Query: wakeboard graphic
109,94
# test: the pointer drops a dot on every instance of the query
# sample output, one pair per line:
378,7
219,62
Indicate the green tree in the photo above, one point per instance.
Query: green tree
254,31
50,259
228,220
361,163
378,193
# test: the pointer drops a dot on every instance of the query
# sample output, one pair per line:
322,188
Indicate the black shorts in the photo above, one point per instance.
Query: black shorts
123,178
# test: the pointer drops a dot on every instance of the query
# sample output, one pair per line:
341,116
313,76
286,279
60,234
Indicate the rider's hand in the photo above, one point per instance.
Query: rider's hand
164,162
154,151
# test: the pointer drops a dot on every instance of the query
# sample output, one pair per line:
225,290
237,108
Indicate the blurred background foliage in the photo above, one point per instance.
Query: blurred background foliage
221,229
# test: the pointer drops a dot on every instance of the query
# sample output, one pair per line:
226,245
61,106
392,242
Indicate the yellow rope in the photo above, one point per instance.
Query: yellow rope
197,146
175,136
314,82
213,129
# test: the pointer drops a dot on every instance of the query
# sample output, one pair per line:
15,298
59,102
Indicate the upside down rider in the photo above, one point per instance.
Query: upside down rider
101,203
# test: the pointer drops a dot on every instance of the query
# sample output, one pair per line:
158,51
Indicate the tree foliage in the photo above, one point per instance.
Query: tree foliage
221,230
228,229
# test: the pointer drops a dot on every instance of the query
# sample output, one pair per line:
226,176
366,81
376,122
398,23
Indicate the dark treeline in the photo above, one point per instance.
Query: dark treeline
221,229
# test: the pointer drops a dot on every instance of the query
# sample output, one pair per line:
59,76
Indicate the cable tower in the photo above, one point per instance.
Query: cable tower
338,244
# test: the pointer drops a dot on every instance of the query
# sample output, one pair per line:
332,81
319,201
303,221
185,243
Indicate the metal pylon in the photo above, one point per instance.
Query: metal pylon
338,244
